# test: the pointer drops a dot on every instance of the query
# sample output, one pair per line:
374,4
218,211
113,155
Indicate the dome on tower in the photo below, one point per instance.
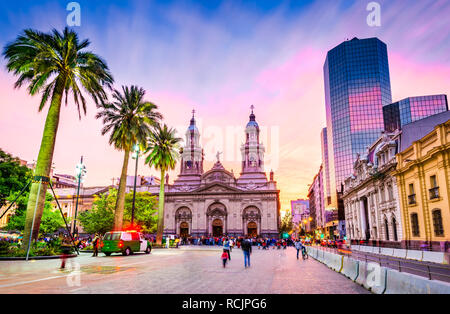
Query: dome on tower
192,126
252,121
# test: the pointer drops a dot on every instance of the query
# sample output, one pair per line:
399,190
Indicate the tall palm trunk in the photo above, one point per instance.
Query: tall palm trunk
160,228
43,165
120,202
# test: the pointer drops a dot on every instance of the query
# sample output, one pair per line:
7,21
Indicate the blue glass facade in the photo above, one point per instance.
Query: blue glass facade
326,166
411,109
357,86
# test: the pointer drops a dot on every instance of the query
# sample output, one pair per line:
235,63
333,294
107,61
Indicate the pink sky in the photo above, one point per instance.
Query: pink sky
277,66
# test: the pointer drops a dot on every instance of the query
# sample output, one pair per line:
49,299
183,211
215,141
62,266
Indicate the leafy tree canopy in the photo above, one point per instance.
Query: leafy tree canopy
145,212
13,176
51,219
286,223
100,218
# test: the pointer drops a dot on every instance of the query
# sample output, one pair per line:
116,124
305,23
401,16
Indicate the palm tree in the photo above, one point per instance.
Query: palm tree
55,64
129,119
163,151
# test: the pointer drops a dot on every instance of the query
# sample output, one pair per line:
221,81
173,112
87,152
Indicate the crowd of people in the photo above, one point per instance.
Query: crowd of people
263,243
246,244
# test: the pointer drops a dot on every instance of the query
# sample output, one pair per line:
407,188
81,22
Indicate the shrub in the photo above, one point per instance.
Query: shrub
4,247
37,249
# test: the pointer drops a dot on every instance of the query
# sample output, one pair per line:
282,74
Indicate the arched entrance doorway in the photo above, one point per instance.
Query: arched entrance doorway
183,218
216,219
217,227
251,221
184,229
252,229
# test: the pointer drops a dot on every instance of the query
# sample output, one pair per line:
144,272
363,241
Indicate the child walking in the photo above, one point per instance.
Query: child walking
224,257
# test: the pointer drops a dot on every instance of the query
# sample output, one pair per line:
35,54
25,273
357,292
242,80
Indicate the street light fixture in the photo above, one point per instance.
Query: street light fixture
80,171
134,156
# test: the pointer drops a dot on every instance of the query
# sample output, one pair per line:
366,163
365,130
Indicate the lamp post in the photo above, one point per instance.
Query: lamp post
136,156
80,171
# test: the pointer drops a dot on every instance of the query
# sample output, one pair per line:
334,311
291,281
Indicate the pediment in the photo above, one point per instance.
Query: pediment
217,176
217,188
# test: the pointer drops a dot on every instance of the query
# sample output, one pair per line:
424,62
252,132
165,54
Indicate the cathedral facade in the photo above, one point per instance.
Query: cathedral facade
215,202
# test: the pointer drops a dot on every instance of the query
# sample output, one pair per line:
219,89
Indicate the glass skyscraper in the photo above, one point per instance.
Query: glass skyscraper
357,86
411,109
326,166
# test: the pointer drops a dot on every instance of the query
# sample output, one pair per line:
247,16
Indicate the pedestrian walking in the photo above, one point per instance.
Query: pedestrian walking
66,248
247,250
298,246
225,256
95,245
226,247
304,253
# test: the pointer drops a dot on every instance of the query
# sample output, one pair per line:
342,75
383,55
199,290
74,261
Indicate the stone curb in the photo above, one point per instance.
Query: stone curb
18,258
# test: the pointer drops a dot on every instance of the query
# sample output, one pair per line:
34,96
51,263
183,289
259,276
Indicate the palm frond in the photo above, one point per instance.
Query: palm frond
128,118
40,59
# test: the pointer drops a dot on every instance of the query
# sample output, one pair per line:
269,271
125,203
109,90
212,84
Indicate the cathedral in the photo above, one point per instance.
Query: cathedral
215,202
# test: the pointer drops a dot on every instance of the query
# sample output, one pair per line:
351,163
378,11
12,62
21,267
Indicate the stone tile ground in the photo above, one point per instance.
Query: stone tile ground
188,270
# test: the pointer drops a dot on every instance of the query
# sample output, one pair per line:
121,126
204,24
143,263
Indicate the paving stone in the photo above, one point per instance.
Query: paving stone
188,270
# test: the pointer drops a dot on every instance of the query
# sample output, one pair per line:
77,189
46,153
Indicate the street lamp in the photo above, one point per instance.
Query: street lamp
80,171
135,156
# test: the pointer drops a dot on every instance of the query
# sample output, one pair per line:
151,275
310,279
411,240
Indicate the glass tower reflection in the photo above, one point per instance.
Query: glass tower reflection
412,109
357,86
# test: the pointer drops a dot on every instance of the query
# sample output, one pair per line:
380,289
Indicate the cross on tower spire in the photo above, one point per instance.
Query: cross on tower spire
252,107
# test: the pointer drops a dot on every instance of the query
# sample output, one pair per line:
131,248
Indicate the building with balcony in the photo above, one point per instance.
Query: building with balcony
372,208
423,176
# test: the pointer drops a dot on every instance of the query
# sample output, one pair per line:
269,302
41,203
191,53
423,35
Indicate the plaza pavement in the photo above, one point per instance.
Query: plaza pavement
187,270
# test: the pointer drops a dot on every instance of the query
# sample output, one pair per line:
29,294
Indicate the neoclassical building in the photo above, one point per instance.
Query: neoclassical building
423,173
372,206
215,202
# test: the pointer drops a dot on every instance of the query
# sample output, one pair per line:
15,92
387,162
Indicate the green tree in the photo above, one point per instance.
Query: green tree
129,119
100,218
286,223
145,212
51,219
13,176
57,65
162,149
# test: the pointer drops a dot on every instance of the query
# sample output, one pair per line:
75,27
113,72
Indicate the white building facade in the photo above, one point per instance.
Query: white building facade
372,207
215,202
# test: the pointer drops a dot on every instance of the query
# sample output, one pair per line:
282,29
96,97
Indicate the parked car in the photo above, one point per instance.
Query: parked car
125,242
